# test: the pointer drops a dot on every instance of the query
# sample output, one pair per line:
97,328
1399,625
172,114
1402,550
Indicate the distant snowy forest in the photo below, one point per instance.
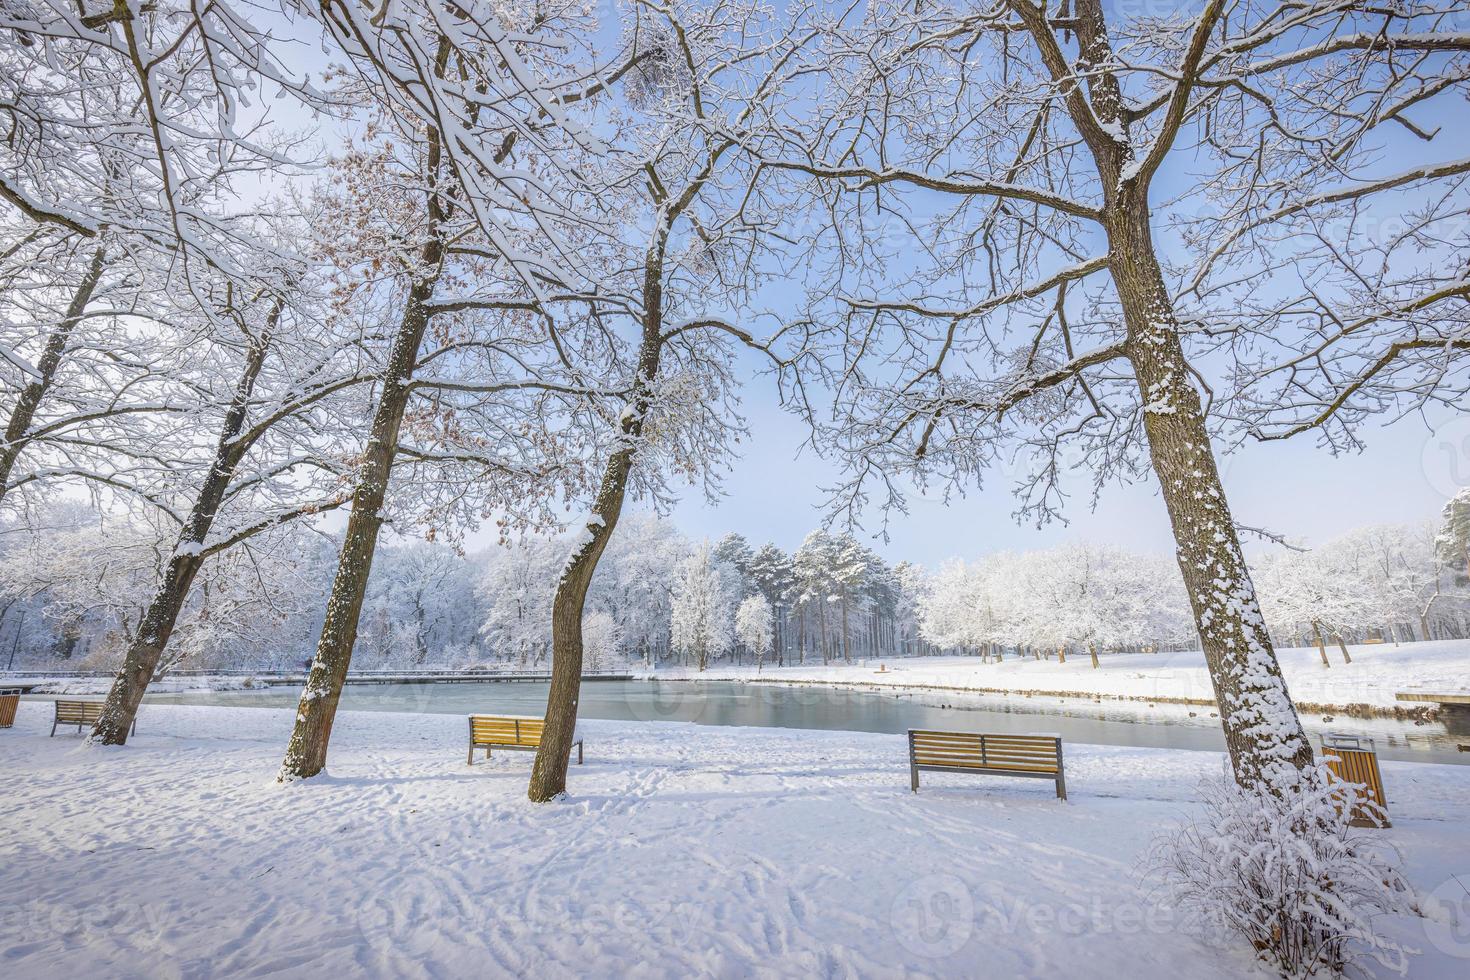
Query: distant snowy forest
73,587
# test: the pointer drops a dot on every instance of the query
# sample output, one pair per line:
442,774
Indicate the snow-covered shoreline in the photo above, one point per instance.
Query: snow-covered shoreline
1365,687
190,684
681,850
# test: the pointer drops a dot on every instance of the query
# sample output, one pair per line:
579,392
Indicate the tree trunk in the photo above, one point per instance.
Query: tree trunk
822,628
1346,657
778,638
162,615
306,753
1092,650
1262,730
17,430
846,656
1321,644
549,773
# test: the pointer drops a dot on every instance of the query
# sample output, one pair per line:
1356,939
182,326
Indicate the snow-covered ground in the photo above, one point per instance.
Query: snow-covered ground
1377,673
681,851
167,685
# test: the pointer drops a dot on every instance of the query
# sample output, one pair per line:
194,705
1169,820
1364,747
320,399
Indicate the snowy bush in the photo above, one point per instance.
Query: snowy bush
1290,874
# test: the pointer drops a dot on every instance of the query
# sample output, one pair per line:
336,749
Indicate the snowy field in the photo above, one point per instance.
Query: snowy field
1377,673
682,851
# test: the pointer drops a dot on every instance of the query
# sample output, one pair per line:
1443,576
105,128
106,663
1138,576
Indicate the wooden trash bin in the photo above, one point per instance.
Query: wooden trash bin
1353,759
9,701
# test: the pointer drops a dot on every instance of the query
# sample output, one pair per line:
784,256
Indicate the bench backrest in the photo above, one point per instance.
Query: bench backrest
972,750
506,730
78,712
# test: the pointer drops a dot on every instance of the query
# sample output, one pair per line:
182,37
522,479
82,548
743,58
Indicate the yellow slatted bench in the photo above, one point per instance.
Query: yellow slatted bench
1032,756
521,733
80,713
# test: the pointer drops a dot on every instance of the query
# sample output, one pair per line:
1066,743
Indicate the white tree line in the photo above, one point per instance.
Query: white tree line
73,587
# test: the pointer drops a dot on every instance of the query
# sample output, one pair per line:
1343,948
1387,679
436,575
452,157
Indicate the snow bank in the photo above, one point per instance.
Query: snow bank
681,851
1377,673
168,685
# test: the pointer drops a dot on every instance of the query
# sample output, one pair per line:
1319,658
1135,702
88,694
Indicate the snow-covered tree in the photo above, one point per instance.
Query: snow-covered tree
635,582
1385,578
755,626
601,638
703,613
733,551
996,280
814,590
1453,540
913,585
1079,596
517,586
852,571
770,571
695,249
266,404
469,394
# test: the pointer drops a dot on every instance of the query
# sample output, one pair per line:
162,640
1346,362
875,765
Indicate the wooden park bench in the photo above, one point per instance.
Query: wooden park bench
80,713
1032,756
509,732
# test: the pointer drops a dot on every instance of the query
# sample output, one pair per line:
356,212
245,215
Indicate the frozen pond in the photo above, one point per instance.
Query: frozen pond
768,705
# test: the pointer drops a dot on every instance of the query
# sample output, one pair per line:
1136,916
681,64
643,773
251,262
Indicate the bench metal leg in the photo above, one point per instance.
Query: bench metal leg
53,730
579,752
913,779
471,760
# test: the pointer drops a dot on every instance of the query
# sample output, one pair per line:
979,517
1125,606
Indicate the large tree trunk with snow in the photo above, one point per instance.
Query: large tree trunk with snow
549,773
168,600
306,753
1262,730
17,429
146,647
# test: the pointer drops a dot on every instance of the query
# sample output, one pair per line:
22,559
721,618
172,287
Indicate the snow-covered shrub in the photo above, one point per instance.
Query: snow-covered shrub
1287,872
